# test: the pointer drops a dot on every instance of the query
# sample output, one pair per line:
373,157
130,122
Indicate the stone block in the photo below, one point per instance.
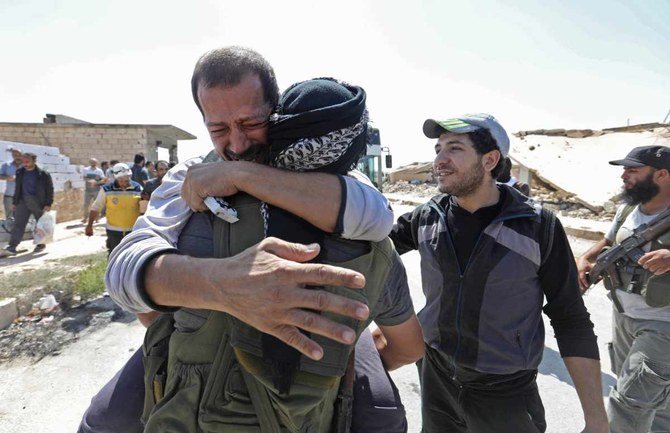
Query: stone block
8,312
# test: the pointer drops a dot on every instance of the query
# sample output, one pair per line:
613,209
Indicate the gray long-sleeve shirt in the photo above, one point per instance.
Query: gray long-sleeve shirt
365,215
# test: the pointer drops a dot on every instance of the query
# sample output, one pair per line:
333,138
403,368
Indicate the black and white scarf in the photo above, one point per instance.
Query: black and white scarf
320,125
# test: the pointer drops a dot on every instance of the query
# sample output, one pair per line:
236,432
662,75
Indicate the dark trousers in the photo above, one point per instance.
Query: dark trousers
28,205
117,407
114,239
377,407
449,406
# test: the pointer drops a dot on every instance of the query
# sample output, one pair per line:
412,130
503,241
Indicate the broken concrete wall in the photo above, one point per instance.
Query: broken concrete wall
579,166
418,171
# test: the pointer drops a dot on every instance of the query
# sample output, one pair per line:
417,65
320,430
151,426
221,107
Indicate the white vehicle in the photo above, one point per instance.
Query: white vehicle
371,162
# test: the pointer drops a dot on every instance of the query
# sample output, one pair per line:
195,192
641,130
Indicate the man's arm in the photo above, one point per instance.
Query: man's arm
264,287
49,190
585,374
3,173
318,198
143,276
400,344
404,239
573,328
657,261
18,191
94,212
585,262
399,338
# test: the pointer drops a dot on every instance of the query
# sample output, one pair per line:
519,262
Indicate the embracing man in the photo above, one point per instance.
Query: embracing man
236,91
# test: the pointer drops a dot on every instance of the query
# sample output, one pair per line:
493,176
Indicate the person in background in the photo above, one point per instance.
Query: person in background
506,177
121,201
140,173
151,169
152,184
93,178
640,346
34,195
108,173
8,174
104,166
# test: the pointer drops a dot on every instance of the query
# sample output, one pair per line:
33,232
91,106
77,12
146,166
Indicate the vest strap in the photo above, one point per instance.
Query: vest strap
262,404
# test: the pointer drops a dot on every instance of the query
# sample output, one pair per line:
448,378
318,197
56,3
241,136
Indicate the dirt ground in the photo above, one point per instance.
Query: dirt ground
39,333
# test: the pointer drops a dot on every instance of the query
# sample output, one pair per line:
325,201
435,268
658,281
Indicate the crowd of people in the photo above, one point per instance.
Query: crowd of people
257,317
111,189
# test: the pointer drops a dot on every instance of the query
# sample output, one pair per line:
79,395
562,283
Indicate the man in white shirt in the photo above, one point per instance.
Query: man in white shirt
8,174
93,178
641,342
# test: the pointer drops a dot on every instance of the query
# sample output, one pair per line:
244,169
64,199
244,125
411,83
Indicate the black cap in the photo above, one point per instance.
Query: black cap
653,156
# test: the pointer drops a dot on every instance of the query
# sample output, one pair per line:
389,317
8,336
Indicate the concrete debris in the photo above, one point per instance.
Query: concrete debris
8,312
561,202
420,189
580,165
421,171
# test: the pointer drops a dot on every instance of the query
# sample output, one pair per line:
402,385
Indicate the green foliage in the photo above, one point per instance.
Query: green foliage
78,275
90,281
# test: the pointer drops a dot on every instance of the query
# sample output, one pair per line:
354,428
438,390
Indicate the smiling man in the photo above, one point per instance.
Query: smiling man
488,257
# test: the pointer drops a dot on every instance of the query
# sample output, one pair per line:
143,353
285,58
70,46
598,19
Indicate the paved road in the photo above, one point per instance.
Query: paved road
50,396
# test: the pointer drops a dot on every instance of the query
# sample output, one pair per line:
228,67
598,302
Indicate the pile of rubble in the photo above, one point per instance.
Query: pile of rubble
558,201
566,205
414,188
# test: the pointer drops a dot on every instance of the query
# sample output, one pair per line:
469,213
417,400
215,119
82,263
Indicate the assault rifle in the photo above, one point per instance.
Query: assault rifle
630,249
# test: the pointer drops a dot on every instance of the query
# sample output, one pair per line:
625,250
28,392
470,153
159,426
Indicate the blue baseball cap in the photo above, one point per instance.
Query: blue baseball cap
468,123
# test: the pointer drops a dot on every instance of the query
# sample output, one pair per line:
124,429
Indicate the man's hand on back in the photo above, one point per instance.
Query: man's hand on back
263,286
271,294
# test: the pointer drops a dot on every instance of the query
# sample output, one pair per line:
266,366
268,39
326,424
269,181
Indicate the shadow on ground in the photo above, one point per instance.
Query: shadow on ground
37,337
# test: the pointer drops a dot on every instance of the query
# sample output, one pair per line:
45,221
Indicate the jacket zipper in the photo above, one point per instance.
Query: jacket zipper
462,272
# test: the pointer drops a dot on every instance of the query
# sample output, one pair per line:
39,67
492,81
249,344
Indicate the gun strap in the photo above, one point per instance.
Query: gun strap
615,300
261,403
627,210
345,397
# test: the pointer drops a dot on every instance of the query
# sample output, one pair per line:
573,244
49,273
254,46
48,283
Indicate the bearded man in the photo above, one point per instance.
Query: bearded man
641,332
488,259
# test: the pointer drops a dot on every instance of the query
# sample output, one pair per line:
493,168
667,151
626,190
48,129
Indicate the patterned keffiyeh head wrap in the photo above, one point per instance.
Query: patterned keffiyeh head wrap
320,125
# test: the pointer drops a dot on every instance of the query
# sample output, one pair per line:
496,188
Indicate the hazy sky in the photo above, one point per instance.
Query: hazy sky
568,64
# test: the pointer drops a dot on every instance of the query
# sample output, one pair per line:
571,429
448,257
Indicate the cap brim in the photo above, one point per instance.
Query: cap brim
434,128
628,163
